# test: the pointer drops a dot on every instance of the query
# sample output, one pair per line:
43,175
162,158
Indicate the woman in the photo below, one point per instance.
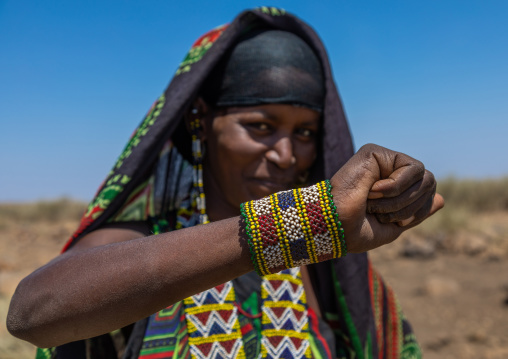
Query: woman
258,97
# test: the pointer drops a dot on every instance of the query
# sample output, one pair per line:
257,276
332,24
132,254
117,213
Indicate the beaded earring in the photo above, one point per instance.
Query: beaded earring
302,179
197,166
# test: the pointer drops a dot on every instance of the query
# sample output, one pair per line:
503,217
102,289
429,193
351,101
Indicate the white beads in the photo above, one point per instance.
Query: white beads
262,206
292,224
310,194
273,256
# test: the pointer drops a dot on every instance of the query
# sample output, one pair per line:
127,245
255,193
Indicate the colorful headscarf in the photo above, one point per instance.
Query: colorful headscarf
363,312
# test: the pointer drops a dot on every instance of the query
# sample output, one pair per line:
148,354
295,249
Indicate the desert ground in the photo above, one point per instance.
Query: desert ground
450,274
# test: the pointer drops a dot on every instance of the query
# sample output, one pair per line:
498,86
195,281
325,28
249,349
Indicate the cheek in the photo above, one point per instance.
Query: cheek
306,155
237,145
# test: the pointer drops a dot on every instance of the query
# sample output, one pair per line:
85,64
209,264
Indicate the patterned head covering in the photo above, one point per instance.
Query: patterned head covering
164,118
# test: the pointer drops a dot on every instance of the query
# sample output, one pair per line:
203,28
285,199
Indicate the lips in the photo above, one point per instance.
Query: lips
273,184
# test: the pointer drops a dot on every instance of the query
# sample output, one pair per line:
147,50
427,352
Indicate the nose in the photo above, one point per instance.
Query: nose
281,153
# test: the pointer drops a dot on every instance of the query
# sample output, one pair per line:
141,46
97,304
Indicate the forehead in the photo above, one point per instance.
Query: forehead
276,112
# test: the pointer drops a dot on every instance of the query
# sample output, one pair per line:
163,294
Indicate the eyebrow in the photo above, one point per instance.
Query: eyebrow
256,114
312,123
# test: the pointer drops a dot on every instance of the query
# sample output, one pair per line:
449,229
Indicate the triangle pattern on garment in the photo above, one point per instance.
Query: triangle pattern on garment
275,340
278,311
276,284
202,317
204,348
225,314
296,341
228,345
297,314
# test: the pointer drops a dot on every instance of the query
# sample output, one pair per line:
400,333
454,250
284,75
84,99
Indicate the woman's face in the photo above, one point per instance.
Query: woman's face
252,152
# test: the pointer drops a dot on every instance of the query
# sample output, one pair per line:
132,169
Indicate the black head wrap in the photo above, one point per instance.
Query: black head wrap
267,66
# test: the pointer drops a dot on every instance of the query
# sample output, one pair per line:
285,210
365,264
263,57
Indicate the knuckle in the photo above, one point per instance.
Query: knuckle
419,164
396,188
368,147
383,217
417,169
426,185
420,168
370,150
429,184
403,214
425,210
430,175
372,207
378,206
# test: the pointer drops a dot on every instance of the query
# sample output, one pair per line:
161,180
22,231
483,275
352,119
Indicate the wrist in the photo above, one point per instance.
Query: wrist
293,228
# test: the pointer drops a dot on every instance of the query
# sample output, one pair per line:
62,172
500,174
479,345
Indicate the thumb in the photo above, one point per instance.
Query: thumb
353,182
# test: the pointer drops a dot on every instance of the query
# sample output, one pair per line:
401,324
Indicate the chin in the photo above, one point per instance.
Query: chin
263,191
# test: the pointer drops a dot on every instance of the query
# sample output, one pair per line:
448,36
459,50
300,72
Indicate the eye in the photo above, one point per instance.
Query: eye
306,132
259,126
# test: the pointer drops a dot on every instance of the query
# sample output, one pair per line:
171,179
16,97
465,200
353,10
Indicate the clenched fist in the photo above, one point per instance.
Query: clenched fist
379,194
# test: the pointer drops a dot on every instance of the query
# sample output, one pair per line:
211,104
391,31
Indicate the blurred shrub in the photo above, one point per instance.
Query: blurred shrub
49,211
475,195
449,220
464,198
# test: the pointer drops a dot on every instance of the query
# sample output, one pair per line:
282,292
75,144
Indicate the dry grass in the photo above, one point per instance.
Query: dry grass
464,200
31,234
54,211
486,195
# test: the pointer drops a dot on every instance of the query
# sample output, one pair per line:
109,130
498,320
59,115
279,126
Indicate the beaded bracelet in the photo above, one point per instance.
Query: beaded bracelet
293,228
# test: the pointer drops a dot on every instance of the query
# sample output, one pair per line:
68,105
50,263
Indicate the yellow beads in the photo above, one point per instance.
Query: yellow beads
293,228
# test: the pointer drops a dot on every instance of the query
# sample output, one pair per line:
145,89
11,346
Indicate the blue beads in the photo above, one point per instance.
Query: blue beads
299,249
286,200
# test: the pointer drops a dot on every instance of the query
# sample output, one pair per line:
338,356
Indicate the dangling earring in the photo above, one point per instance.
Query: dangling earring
302,178
197,166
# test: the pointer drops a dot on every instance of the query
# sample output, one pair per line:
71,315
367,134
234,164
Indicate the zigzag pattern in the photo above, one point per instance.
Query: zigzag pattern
284,290
219,295
213,326
285,318
284,321
212,321
216,349
283,347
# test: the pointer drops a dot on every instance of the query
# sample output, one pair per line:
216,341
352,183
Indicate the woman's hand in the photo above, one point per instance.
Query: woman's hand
379,194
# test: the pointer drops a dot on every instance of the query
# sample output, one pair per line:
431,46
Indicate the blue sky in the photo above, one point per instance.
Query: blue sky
428,78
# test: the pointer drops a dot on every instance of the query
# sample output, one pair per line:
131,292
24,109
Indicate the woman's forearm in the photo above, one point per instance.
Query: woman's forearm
85,293
88,292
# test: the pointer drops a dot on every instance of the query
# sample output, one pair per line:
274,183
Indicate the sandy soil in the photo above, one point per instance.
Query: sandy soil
454,289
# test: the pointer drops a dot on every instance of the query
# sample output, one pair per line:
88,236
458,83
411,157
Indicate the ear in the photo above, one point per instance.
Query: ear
201,111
